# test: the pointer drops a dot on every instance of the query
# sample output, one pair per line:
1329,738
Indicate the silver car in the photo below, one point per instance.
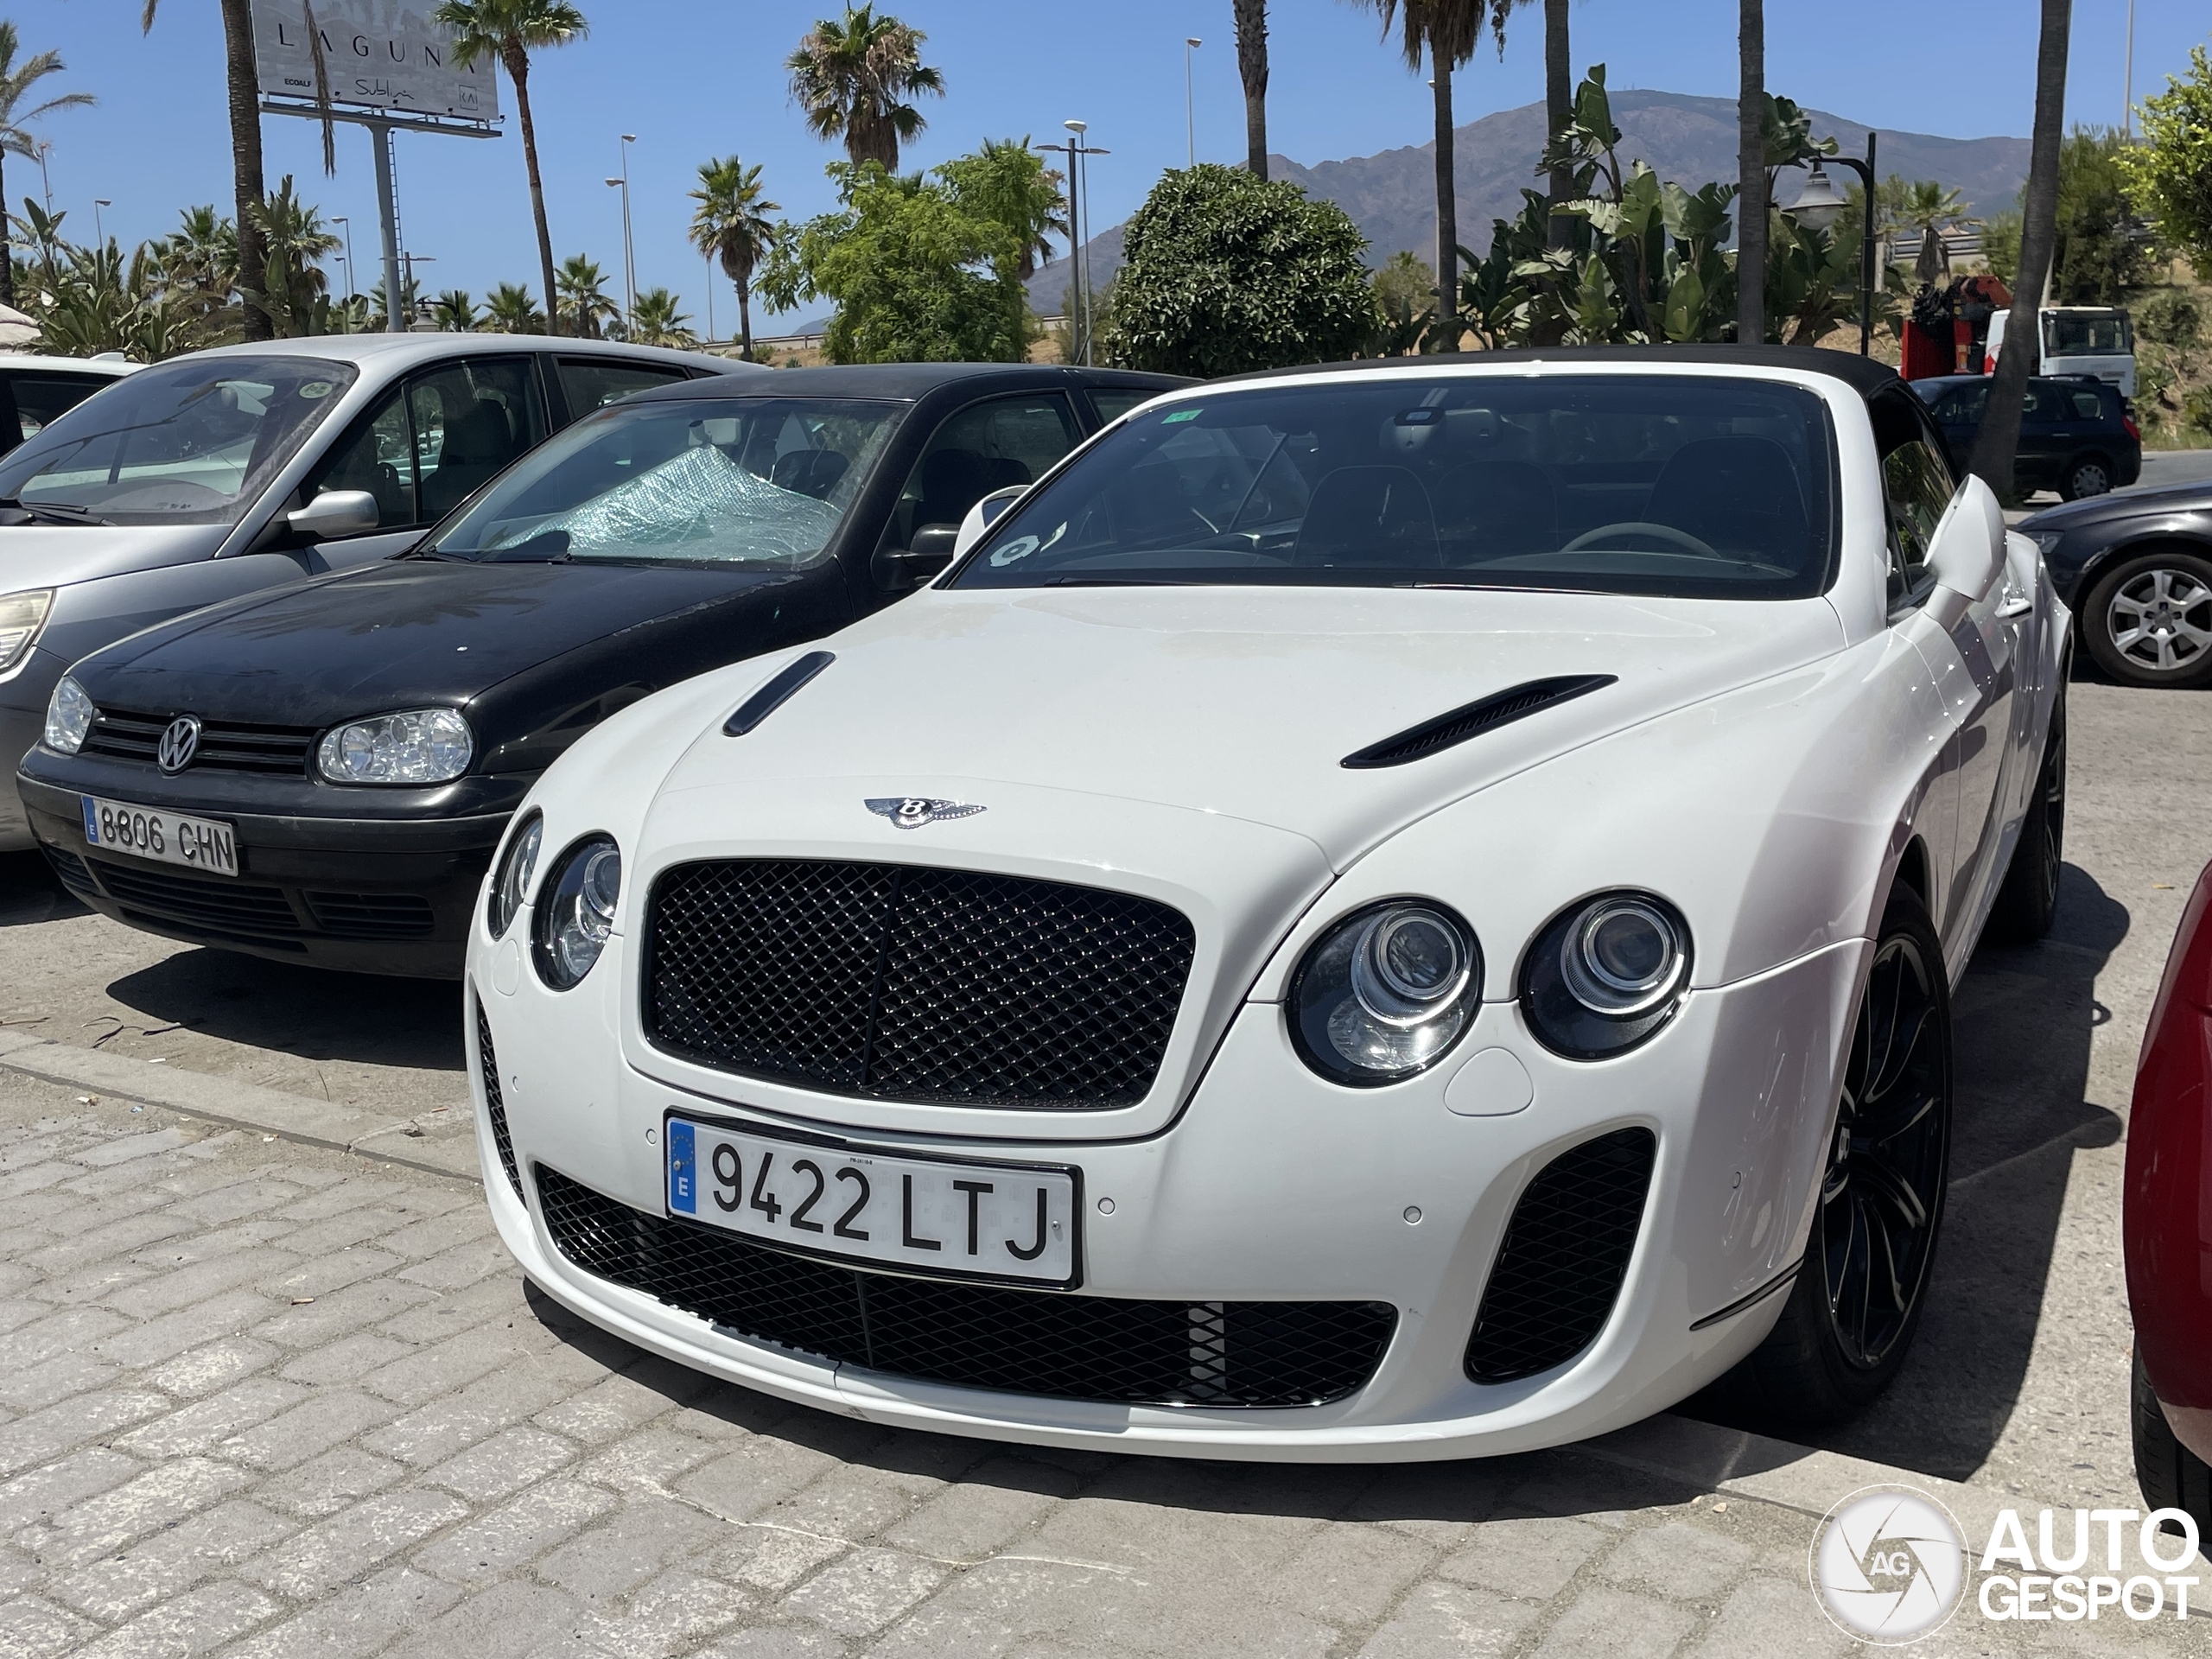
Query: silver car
211,475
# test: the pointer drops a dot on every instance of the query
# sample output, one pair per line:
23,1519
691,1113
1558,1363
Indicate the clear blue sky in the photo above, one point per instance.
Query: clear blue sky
693,80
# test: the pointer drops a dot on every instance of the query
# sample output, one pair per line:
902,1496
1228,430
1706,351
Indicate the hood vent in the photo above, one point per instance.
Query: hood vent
778,690
1419,742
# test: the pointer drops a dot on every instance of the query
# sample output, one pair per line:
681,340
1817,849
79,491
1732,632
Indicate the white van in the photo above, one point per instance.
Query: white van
2097,340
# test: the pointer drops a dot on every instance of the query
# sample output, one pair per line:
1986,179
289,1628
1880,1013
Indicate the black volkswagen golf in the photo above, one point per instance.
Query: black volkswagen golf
319,773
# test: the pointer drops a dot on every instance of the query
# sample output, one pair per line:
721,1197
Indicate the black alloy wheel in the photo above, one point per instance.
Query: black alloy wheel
2085,476
2148,619
2028,902
1860,1292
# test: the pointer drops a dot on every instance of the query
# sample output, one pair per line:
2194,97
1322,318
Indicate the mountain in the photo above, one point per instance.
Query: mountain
1392,196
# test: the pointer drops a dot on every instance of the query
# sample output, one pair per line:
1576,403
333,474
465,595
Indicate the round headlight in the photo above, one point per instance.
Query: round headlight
1606,974
1385,993
575,910
68,716
424,746
511,881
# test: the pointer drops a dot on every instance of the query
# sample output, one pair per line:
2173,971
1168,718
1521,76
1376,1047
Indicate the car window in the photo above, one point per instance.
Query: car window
982,447
2088,406
1965,406
1114,402
590,383
42,398
748,483
470,419
193,440
377,456
1917,486
1635,483
2103,334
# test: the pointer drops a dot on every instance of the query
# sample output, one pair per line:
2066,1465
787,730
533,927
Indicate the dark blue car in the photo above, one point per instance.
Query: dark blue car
2076,436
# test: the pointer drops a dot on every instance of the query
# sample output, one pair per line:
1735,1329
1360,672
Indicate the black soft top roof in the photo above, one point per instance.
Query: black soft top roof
899,382
1863,374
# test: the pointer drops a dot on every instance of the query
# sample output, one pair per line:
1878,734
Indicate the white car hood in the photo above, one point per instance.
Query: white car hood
1241,703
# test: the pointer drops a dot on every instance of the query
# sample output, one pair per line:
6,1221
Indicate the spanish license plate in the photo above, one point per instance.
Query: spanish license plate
1007,1221
204,844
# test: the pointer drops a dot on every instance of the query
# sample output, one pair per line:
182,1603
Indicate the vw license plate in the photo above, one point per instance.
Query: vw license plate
204,844
954,1220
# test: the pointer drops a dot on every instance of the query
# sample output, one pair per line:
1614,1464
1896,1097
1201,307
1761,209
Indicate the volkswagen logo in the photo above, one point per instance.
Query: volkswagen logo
179,742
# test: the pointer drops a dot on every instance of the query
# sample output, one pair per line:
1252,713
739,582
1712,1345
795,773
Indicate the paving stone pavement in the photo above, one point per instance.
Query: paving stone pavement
260,1398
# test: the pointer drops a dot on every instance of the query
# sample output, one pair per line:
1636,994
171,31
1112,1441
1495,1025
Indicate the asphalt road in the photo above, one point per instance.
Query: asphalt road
2164,467
2020,1377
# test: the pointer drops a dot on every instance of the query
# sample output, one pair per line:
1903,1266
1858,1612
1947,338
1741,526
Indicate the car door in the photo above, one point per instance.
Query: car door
2045,440
589,383
1959,413
983,447
425,446
30,398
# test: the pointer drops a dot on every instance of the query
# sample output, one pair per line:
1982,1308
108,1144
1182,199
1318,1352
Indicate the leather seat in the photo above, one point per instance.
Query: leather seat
477,444
1376,517
1736,494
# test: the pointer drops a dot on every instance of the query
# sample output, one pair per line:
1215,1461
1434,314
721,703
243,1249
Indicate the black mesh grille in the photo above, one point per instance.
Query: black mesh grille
125,736
372,915
495,1107
1068,1347
916,984
72,872
225,905
1565,1252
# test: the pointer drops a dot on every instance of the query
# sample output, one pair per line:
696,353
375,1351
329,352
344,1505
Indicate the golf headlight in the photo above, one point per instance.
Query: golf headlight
21,616
68,716
427,746
1606,974
511,881
1385,993
575,910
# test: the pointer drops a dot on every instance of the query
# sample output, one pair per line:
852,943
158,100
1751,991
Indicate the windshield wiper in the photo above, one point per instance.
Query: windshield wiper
53,512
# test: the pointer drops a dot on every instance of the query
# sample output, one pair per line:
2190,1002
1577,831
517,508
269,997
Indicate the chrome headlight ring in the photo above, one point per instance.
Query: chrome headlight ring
575,910
510,875
1385,993
1606,974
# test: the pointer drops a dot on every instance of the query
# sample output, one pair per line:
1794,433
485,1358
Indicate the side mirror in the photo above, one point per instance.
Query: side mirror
1967,549
336,513
985,513
900,570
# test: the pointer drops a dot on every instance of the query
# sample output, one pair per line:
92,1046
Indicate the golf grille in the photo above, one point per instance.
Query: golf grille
495,1106
894,981
223,747
1050,1343
1566,1251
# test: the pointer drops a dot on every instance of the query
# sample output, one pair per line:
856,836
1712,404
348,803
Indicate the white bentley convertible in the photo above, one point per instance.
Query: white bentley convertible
1403,910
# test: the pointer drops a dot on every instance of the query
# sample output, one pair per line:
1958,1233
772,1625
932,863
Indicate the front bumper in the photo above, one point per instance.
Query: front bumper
372,896
1269,1186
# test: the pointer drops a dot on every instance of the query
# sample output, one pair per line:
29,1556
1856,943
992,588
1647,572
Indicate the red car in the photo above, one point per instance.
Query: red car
2167,1223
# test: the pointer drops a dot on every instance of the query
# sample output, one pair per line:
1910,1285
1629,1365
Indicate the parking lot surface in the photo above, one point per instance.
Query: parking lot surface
260,1397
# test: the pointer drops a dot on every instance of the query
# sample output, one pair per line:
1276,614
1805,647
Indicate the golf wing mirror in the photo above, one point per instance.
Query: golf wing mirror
336,513
985,513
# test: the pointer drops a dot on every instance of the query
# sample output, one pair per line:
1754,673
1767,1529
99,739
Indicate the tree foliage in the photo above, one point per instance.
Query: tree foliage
1224,273
1008,181
2103,253
733,227
2169,172
1405,298
853,75
918,273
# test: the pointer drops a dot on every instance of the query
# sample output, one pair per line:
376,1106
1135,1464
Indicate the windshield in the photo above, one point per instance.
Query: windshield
189,443
1658,484
2097,334
758,482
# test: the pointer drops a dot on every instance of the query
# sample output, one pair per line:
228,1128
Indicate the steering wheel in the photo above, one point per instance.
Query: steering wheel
1681,539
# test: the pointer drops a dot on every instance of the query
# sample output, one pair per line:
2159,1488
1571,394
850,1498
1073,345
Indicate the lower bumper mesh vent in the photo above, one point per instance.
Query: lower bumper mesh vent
495,1107
1565,1252
976,1335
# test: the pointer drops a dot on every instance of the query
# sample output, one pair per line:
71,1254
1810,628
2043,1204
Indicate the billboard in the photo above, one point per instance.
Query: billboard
382,54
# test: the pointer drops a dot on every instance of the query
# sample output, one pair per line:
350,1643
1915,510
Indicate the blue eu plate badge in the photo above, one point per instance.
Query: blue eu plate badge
683,1168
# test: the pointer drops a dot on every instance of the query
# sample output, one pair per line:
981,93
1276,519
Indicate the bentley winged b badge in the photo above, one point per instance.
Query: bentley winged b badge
912,811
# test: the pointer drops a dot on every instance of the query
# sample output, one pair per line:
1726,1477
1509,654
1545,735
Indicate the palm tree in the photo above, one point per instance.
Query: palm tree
455,312
244,88
1751,173
851,75
1252,68
16,83
733,226
1999,437
509,30
582,286
293,238
508,309
1559,109
658,322
1446,32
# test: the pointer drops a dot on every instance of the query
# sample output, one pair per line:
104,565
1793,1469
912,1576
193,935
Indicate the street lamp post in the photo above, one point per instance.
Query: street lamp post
629,248
46,183
1818,206
410,260
341,219
710,299
99,226
1191,43
1078,153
